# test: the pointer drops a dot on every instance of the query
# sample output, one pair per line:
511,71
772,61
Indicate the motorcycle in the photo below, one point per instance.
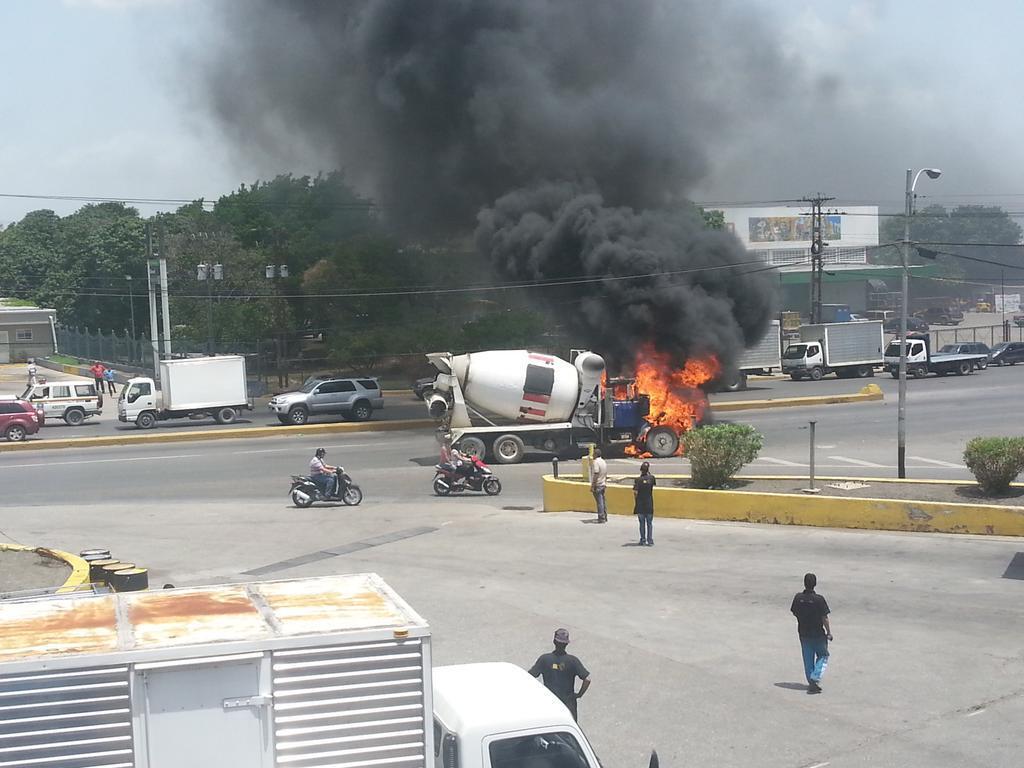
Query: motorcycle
304,491
451,478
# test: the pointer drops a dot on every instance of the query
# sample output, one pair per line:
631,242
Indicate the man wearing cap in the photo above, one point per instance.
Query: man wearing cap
559,671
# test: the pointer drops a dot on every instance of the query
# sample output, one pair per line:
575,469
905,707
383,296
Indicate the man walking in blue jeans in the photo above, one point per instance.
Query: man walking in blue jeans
811,613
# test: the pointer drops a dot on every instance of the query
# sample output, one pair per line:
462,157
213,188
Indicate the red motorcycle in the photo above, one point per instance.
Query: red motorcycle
471,475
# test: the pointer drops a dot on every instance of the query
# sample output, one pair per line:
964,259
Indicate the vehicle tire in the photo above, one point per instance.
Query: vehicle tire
298,416
919,372
145,420
864,372
353,495
894,374
982,365
508,449
738,383
15,433
441,488
662,442
816,374
225,415
301,500
74,417
362,411
964,367
492,486
472,446
795,376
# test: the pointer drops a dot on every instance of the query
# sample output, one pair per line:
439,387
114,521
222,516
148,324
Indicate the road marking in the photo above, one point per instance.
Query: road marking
100,461
819,765
779,462
937,463
858,462
293,449
975,712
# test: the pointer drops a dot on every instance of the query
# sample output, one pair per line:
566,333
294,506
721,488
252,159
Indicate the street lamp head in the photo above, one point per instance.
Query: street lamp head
933,173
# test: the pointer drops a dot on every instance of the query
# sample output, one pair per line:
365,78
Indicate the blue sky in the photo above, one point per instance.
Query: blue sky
100,99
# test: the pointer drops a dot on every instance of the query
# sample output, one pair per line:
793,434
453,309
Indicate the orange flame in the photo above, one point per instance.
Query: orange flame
676,399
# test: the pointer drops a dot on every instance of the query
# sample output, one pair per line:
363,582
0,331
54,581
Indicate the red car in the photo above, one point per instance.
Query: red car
18,419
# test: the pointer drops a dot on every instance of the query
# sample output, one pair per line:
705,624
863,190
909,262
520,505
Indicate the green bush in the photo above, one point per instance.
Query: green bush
718,451
995,462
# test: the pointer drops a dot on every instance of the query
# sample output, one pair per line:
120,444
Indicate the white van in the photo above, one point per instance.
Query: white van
73,401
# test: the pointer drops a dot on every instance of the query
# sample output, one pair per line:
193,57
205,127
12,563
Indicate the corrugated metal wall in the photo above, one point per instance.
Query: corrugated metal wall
74,719
352,706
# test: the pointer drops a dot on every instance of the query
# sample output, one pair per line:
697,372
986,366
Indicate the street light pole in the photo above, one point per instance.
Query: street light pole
901,418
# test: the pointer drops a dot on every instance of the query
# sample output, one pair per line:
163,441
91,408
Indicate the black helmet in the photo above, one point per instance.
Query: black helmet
321,452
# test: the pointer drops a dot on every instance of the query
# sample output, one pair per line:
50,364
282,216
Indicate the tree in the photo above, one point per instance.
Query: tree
963,224
713,219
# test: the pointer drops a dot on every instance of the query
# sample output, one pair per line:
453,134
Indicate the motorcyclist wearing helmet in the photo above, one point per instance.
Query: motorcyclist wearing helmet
324,475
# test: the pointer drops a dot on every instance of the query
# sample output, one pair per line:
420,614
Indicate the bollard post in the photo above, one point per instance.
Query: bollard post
554,466
811,488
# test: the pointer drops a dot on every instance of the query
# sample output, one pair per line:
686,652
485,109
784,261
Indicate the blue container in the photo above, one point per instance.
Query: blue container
626,414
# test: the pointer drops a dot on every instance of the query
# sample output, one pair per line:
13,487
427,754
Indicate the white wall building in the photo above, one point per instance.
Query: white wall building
782,234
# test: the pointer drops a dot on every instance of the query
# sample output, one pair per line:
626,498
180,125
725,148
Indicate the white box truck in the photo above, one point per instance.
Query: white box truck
191,388
849,350
762,357
328,671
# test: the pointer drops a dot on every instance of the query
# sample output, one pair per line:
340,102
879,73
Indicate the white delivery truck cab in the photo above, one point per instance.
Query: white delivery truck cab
191,388
495,715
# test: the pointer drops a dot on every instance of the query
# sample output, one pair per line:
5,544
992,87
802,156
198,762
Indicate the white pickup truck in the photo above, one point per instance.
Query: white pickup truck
921,362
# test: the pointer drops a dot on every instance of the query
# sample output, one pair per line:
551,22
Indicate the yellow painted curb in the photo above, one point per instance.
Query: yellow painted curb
79,568
867,394
218,434
568,495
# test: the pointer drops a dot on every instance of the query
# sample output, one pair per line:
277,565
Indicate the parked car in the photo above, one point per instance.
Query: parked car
942,315
914,325
968,348
420,387
1018,320
1007,353
19,418
355,398
72,401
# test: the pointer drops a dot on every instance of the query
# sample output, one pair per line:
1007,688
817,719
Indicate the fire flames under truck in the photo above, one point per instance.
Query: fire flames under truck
499,402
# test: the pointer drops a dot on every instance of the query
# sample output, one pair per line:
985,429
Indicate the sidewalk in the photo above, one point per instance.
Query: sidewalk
14,377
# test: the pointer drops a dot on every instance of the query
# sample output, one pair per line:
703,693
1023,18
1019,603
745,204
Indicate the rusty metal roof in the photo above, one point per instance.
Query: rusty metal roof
77,625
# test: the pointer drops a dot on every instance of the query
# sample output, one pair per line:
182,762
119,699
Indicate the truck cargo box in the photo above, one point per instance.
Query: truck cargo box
853,343
202,382
766,353
319,671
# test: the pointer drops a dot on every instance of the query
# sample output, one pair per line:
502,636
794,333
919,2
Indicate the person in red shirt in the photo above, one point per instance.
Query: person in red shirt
97,370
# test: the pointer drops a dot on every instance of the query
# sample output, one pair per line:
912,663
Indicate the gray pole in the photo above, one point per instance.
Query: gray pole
166,307
131,304
154,328
901,418
209,309
812,455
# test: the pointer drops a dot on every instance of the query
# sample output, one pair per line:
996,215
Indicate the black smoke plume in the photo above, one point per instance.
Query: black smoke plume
568,131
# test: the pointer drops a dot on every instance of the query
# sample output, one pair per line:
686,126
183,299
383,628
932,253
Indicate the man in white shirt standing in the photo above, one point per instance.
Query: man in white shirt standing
598,483
32,371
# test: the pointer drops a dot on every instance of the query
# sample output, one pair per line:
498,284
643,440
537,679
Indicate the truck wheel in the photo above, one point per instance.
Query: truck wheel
15,433
472,446
736,384
225,415
816,374
509,449
919,372
362,411
894,374
964,367
662,442
298,416
74,417
795,376
865,371
982,365
145,420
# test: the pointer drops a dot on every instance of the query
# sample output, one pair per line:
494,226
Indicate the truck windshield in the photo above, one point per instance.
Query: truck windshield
893,350
795,352
538,750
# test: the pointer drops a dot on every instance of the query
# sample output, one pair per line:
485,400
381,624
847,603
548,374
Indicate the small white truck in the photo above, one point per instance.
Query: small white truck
849,350
328,671
763,357
191,388
921,361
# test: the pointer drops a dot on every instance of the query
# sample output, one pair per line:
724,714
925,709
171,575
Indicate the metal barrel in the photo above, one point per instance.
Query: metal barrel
110,570
130,580
96,572
94,554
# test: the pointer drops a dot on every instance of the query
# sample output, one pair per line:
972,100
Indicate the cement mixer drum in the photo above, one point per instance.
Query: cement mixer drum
519,385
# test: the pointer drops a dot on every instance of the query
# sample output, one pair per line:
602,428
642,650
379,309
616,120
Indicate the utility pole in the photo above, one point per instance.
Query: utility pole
817,252
156,273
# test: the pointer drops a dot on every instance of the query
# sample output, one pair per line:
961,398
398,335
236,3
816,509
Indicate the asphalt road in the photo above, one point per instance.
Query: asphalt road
690,644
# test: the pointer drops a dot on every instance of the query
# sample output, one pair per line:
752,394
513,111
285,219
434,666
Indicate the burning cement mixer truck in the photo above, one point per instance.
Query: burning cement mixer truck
499,402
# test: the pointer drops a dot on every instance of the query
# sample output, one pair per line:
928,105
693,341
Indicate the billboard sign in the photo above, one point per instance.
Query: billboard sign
791,229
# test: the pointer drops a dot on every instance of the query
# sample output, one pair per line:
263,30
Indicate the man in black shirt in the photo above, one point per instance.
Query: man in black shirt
560,670
811,613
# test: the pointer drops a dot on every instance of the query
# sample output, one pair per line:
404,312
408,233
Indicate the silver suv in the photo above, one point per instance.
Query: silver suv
354,398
